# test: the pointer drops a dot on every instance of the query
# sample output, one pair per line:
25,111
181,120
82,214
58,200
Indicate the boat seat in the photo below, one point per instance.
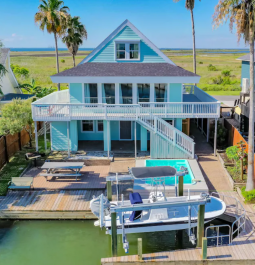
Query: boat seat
135,198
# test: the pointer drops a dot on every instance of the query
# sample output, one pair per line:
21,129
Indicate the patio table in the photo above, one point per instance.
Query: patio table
53,169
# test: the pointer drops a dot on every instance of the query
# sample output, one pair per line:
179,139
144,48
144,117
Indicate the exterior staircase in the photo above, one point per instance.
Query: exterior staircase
166,140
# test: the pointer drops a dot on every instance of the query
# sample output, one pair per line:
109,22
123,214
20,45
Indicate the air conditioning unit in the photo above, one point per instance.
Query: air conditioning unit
246,85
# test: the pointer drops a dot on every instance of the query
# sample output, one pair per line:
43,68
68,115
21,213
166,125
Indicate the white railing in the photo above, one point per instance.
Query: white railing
55,98
218,236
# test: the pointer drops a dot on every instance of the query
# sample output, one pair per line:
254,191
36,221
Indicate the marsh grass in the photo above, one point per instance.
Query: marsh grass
42,67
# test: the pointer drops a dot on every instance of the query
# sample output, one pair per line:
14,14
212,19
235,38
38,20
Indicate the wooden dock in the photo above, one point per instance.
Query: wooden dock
47,204
242,250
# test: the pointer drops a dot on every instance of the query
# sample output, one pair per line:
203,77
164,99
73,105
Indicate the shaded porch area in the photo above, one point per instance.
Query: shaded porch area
116,146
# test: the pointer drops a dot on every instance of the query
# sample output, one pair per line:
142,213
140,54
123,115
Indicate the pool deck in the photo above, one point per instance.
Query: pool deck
197,188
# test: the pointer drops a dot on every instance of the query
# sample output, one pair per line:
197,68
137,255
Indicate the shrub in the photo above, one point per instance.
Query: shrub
249,196
66,68
232,153
226,73
201,63
226,81
20,71
217,80
211,67
63,61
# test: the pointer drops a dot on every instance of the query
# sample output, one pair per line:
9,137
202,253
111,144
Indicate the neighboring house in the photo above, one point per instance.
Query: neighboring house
126,90
9,85
8,82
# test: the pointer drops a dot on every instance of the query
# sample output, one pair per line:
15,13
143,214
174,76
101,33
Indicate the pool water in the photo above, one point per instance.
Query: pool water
187,179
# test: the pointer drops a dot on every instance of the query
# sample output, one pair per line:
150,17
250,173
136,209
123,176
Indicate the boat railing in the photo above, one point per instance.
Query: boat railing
218,236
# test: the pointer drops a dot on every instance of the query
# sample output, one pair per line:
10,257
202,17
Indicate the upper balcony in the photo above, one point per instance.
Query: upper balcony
57,107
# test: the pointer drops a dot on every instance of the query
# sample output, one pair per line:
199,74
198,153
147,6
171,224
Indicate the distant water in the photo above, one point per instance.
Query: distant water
170,49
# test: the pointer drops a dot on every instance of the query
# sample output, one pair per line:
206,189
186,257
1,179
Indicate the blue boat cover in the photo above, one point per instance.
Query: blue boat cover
135,198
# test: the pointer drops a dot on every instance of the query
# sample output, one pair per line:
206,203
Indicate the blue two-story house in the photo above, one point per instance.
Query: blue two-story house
126,90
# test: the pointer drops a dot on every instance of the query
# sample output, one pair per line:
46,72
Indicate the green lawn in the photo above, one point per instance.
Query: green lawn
41,68
223,93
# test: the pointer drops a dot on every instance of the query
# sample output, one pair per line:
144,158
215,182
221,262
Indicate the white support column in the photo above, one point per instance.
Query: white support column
135,142
45,139
99,92
208,123
108,139
68,138
36,137
152,92
215,136
134,93
117,93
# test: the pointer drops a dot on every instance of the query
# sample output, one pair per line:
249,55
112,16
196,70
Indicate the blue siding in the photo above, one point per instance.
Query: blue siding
143,139
76,94
175,92
147,55
245,70
59,136
178,124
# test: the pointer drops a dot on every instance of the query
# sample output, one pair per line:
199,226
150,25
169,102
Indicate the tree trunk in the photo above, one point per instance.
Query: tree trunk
250,175
194,43
73,60
56,49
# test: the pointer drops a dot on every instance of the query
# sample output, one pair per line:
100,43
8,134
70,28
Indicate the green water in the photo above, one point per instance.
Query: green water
73,242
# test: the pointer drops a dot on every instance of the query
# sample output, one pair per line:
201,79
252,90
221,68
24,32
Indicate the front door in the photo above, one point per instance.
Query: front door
125,130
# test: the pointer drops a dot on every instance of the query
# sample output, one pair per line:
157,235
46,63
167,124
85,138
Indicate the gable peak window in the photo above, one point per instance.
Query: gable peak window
127,50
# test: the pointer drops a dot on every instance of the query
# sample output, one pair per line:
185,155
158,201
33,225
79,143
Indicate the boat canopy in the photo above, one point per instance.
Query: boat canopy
152,172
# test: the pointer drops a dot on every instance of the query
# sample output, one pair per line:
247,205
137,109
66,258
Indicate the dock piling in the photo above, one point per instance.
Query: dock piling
114,234
140,248
109,190
200,225
204,248
180,186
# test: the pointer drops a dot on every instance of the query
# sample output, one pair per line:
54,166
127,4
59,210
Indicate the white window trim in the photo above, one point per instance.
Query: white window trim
127,50
87,131
97,131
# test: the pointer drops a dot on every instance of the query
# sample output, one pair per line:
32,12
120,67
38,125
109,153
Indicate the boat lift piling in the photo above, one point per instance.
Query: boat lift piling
180,186
114,233
200,224
109,190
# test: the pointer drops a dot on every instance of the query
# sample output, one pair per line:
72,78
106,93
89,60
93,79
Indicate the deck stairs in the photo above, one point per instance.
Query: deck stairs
41,131
166,140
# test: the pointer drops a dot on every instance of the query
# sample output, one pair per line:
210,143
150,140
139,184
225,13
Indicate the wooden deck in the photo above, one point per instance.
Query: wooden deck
242,250
61,204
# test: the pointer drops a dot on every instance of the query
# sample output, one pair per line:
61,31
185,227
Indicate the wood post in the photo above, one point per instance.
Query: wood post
200,225
6,150
109,190
204,248
140,248
215,136
114,234
180,186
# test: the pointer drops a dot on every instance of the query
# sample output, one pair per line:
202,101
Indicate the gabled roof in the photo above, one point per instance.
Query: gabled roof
246,57
115,32
126,69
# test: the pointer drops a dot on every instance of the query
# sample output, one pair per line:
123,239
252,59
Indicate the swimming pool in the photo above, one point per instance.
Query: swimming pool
187,179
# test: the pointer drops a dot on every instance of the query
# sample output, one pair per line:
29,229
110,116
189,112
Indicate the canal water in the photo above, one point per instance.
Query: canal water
73,242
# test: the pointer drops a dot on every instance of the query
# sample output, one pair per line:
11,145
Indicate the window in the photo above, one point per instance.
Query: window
127,51
121,50
171,122
133,51
100,126
87,126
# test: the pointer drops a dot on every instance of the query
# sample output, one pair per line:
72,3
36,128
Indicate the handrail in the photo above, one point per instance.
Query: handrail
218,233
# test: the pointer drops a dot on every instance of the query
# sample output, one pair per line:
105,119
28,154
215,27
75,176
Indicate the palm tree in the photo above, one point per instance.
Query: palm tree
52,16
241,14
190,4
76,32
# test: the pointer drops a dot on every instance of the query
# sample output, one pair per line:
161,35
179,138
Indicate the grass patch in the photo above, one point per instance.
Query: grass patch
223,93
249,196
17,165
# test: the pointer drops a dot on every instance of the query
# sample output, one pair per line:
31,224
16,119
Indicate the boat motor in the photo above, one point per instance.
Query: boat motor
95,206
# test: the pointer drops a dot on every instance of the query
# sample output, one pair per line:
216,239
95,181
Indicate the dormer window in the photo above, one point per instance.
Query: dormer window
127,50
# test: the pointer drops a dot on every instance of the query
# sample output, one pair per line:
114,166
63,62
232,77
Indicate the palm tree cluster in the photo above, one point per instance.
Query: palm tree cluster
53,16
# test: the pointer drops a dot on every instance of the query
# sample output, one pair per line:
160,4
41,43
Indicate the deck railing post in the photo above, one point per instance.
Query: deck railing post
109,190
180,186
114,234
36,137
204,248
215,136
200,225
140,248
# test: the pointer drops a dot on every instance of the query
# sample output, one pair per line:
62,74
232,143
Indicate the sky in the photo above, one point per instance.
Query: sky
166,23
